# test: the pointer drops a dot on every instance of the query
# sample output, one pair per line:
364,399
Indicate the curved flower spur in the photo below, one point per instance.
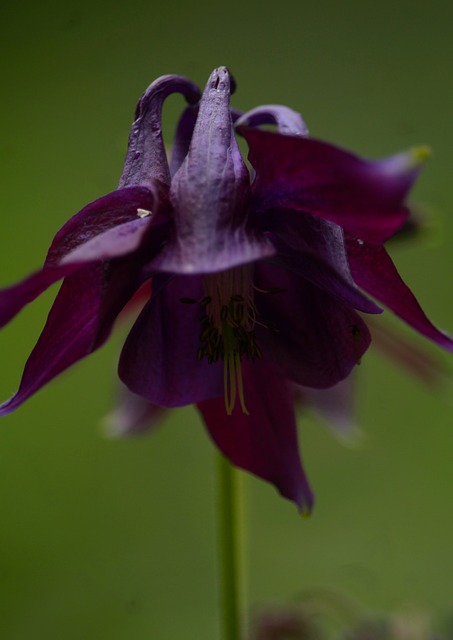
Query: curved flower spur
254,280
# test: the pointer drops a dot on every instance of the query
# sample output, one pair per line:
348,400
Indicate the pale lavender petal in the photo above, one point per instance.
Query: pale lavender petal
132,416
288,122
264,442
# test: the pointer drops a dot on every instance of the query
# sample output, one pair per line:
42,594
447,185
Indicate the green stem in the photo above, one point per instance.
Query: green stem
229,530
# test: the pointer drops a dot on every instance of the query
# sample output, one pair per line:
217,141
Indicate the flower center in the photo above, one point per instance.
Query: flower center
227,328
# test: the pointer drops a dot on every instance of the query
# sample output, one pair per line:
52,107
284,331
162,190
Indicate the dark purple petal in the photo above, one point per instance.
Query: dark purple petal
373,270
264,442
289,122
315,249
132,416
67,336
95,233
103,214
318,339
183,137
146,159
209,194
113,243
14,298
363,196
159,359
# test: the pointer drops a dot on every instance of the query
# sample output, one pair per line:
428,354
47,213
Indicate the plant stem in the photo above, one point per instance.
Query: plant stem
229,530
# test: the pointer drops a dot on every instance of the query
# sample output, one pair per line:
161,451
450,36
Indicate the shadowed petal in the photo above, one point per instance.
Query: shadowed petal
159,358
67,336
336,406
183,137
373,270
113,243
101,215
132,416
365,197
95,233
264,442
146,158
318,340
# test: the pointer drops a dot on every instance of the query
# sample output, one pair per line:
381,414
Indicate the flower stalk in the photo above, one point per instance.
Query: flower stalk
230,530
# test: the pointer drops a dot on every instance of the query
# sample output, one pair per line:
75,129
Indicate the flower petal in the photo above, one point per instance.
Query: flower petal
373,270
365,197
264,442
159,358
146,159
93,221
317,340
315,249
103,214
67,336
336,407
183,137
113,243
288,122
132,416
209,194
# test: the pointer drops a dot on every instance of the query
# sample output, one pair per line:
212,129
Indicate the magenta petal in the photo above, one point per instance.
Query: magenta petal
318,339
373,270
365,197
264,442
159,358
67,336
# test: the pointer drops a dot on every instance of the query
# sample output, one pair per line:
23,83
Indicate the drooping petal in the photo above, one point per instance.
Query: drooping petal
373,270
415,358
112,210
67,336
365,197
209,194
146,159
315,339
132,416
159,358
102,219
335,406
289,122
113,243
264,442
315,249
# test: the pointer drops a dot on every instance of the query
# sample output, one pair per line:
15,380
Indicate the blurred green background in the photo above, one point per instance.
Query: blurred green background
116,539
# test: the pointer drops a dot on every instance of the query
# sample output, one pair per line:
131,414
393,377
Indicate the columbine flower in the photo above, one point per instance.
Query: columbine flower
254,280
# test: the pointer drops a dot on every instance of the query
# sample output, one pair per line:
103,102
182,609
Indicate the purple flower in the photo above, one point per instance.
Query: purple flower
254,279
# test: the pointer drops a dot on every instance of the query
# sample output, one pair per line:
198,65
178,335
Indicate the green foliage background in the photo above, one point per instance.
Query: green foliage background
116,539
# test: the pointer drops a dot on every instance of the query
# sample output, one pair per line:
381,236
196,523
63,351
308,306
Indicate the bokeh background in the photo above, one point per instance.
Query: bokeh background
103,538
